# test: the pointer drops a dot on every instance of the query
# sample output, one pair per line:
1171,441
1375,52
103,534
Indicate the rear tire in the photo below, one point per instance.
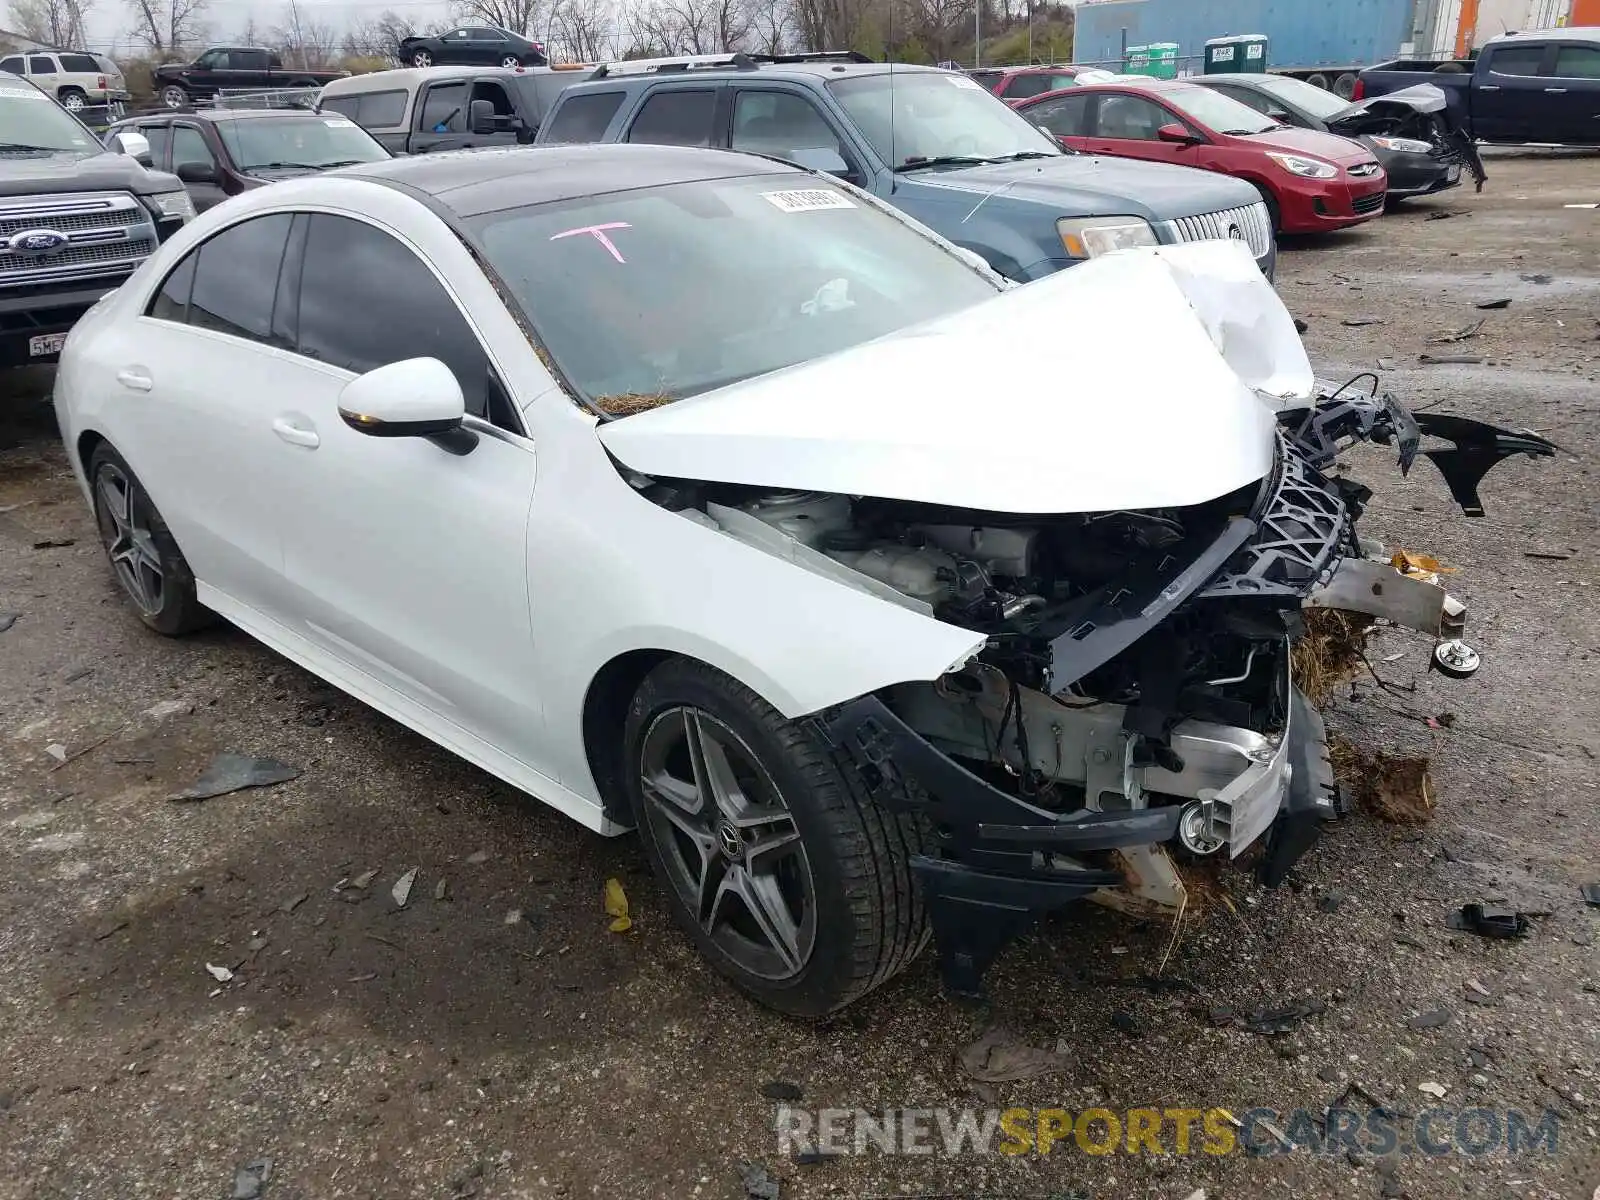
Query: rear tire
733,801
1345,86
1318,80
145,559
74,100
511,60
174,96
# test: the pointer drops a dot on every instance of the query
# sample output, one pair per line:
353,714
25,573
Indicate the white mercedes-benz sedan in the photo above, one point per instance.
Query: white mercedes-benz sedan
693,492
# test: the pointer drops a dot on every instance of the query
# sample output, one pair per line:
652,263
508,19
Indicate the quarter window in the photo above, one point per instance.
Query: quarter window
236,279
676,118
366,300
172,301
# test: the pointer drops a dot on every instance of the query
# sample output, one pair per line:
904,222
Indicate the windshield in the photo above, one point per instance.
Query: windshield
30,120
652,295
1221,113
920,116
1308,97
317,141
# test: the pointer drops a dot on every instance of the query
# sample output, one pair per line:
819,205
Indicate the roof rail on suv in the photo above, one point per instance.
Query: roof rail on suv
739,61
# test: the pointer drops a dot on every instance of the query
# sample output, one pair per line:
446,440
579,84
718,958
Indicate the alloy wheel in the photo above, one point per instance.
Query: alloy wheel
511,60
174,97
72,102
729,842
422,59
123,514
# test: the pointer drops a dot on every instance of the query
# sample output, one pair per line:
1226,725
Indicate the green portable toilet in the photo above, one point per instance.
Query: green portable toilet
1239,53
1135,60
1161,60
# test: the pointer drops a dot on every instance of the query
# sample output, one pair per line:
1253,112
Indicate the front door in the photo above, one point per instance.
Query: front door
189,148
1127,125
441,118
1508,104
408,562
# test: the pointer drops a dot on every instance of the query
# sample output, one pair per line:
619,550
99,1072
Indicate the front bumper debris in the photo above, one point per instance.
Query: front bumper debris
1000,862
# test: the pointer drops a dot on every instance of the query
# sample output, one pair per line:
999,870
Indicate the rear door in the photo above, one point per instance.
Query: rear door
248,68
1572,93
690,115
1508,99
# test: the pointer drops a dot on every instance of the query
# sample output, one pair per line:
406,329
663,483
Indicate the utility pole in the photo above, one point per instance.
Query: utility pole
977,34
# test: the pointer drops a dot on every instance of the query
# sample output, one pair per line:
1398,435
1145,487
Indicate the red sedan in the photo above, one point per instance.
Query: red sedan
1310,180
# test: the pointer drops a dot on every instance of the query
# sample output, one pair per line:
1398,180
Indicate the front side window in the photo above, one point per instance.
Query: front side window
487,89
443,108
1578,62
211,60
1319,102
366,301
189,146
582,119
1131,118
783,269
678,117
160,139
1516,60
320,142
914,117
785,126
236,279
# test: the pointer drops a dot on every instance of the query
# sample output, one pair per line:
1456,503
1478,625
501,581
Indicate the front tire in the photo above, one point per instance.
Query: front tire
787,877
174,96
145,559
421,58
1274,213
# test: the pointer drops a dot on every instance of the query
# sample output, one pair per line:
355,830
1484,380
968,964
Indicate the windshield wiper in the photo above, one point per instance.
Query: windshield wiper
944,160
41,149
284,166
1022,154
343,162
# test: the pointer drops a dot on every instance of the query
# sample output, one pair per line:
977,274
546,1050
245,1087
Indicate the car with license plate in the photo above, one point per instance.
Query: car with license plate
880,607
1309,180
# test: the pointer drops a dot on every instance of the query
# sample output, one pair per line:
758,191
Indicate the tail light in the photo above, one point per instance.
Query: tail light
101,83
1360,92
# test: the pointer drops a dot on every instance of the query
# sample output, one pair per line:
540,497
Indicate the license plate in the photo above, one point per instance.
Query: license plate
1453,175
46,343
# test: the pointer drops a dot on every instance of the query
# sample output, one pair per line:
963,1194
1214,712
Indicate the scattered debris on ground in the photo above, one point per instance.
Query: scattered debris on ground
250,1179
1439,360
615,903
235,772
759,1183
1591,894
1458,335
1432,1019
782,1089
401,892
1000,1056
1490,922
1332,651
1502,302
1393,788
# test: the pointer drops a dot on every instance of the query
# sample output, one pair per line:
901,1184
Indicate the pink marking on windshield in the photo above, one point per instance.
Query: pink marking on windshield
598,232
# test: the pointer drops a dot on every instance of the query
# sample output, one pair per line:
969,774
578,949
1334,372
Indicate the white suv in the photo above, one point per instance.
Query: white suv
76,79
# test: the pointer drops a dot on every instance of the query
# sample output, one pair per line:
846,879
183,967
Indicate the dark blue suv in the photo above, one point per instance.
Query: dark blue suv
933,143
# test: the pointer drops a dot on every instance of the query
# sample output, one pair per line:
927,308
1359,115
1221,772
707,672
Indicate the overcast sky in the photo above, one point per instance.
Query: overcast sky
109,21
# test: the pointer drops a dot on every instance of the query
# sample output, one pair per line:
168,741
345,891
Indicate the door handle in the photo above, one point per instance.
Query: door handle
1489,87
135,378
295,434
1555,91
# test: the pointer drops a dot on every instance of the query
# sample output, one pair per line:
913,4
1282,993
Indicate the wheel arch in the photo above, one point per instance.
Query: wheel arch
88,442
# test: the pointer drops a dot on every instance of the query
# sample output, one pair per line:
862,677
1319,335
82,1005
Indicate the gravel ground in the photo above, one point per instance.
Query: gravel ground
439,1051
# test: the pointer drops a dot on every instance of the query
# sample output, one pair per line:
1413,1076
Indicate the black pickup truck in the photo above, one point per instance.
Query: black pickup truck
251,68
75,221
1521,87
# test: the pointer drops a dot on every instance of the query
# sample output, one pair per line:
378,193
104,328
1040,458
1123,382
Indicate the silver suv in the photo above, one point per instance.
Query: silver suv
78,80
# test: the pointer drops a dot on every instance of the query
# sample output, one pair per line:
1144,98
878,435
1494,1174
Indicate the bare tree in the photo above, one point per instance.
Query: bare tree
771,24
167,26
586,29
379,37
517,16
53,22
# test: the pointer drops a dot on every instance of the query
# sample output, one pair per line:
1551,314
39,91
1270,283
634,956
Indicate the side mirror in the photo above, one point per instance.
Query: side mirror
135,145
416,397
821,158
1279,114
480,116
196,172
1176,133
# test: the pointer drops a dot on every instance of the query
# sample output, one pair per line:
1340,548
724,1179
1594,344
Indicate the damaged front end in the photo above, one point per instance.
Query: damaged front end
1423,113
1136,697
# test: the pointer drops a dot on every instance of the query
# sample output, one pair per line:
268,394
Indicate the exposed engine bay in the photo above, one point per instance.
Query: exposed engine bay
1423,112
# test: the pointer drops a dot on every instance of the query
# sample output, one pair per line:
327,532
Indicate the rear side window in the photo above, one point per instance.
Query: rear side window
1516,60
382,110
236,278
583,118
82,64
366,300
1067,116
444,108
676,118
1578,62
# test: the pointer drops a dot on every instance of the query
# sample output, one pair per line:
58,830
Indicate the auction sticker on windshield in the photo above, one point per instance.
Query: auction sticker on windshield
961,81
338,122
808,199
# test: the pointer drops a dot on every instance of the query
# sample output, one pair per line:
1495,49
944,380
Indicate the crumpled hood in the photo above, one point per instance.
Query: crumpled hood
1422,98
1090,185
1128,382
